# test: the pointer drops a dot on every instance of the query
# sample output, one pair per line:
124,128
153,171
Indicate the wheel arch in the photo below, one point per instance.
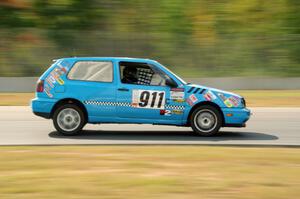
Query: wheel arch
69,101
202,104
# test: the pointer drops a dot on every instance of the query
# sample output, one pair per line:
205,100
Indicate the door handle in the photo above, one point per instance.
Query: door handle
123,89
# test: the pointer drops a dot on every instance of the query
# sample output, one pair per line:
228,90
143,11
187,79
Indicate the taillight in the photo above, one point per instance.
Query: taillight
40,86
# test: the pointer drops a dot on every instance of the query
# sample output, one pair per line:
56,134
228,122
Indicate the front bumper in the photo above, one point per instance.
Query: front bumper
236,117
41,114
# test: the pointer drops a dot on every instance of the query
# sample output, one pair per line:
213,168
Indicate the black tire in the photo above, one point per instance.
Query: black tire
58,124
206,120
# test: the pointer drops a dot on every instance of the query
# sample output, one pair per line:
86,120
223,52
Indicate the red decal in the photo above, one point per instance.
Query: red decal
207,97
189,101
177,89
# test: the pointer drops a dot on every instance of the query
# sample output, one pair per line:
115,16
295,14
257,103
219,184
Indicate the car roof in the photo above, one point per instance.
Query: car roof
105,58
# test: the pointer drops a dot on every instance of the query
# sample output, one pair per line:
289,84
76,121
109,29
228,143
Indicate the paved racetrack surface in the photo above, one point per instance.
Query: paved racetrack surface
267,126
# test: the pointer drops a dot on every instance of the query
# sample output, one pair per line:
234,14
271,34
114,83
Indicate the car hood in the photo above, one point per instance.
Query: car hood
220,97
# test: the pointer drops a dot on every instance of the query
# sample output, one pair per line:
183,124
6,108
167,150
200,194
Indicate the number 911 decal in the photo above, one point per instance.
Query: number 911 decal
148,99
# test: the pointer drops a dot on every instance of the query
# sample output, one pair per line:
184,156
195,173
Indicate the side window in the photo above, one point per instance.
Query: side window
141,74
98,71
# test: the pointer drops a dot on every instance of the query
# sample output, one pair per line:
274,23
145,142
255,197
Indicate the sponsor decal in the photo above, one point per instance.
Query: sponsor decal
234,101
209,96
55,77
231,101
191,99
177,89
165,112
228,103
134,104
50,80
179,100
58,72
177,112
47,91
148,99
223,98
62,68
177,93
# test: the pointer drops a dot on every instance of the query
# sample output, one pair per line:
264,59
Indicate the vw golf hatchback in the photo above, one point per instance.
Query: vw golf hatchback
77,91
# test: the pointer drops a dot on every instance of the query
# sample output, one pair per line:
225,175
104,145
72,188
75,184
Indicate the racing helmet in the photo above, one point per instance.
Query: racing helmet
130,73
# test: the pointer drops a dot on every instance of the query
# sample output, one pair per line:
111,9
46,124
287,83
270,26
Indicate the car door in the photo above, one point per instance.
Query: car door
142,101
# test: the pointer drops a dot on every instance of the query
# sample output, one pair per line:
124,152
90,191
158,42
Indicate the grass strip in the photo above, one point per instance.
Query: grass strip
149,172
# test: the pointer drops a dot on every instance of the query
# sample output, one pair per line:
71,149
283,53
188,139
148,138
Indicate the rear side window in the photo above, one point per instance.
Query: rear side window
97,71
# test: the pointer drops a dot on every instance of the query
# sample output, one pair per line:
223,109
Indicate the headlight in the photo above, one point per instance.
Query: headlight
243,102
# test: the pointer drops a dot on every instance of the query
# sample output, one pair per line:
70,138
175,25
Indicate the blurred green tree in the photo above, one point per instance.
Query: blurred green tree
192,37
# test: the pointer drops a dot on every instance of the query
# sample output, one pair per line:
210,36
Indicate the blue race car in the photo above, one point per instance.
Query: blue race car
76,91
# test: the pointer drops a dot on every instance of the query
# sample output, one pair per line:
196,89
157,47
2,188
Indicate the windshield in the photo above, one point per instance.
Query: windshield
177,77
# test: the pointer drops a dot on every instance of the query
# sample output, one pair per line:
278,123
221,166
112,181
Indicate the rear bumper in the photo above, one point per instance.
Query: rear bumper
42,107
236,117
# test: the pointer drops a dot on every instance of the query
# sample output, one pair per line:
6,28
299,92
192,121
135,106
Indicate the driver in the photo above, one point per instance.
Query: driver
129,75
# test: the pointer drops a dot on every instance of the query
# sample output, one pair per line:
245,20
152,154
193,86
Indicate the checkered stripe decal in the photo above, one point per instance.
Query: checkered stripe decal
174,107
98,103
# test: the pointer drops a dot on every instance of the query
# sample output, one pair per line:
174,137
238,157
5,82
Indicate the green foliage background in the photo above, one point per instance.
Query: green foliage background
192,37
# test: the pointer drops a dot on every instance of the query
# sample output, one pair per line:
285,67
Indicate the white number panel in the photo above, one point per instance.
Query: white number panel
148,99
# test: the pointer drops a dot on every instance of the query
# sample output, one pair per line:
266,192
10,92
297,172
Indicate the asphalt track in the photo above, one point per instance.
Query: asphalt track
268,126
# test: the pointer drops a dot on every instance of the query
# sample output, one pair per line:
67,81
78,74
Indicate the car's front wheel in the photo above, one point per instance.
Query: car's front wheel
206,120
68,119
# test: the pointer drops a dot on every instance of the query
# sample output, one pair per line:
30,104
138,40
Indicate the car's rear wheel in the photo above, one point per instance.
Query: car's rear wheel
69,119
206,120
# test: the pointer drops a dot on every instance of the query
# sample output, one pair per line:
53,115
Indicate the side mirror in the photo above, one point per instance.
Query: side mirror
171,83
